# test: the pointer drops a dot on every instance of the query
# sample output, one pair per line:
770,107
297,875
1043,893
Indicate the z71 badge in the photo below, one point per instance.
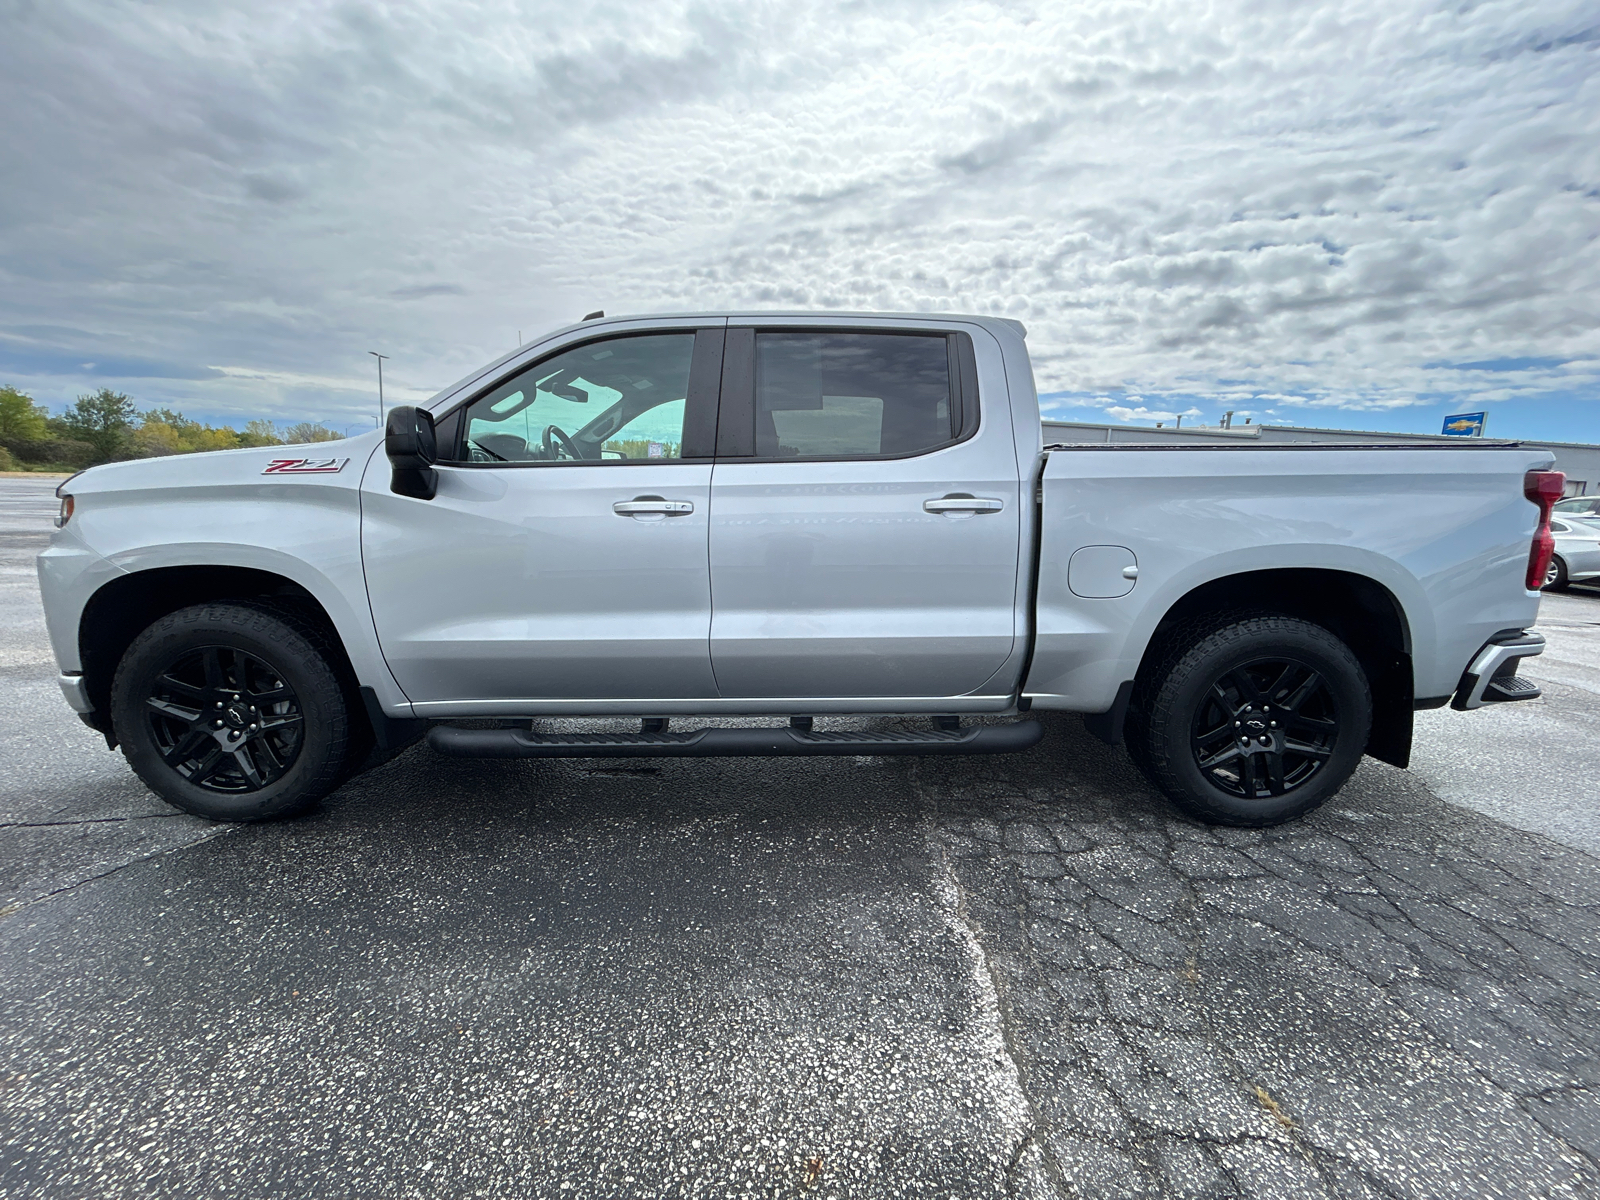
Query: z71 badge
305,466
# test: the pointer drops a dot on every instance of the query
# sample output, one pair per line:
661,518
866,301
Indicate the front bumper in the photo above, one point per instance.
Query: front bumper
1492,676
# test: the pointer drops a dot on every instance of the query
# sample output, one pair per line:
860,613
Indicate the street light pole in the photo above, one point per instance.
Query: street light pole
380,358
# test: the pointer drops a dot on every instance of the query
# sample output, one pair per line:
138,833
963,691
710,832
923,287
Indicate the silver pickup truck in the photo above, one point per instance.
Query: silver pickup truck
790,516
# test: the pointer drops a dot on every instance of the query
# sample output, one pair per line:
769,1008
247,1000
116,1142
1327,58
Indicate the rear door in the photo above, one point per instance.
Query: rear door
865,515
564,556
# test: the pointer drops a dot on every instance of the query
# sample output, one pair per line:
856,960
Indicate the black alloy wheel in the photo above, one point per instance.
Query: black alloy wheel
1249,719
236,711
225,720
1265,728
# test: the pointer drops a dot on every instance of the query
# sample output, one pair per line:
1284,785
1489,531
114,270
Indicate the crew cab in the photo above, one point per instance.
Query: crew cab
771,518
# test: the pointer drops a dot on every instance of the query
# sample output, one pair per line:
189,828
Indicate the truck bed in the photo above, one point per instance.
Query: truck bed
1444,530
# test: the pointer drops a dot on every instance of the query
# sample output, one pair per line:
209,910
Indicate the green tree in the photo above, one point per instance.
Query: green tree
153,439
21,420
260,432
309,431
163,431
104,419
167,417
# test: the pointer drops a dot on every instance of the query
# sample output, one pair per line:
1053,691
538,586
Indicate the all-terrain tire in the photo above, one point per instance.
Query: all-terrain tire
273,706
1192,724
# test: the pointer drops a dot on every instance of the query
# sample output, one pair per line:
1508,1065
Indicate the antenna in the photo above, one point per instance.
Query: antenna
380,358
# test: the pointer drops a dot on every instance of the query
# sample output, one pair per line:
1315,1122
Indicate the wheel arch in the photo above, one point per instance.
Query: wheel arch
123,607
1357,609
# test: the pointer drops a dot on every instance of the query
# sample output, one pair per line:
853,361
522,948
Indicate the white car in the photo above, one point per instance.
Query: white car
1577,555
1583,508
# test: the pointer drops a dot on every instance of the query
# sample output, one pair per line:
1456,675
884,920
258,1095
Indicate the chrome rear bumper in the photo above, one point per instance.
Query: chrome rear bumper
1492,677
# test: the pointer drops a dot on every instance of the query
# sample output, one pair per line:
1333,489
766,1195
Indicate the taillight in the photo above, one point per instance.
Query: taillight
1544,488
67,506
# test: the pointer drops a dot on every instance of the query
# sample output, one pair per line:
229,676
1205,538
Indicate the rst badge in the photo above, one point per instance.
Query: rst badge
305,466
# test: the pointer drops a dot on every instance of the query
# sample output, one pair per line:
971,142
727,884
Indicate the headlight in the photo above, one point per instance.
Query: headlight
66,512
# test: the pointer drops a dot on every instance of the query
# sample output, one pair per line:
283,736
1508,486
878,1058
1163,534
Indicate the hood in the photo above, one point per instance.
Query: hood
338,464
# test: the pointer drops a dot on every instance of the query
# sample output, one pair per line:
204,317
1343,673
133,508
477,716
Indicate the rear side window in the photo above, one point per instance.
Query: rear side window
840,395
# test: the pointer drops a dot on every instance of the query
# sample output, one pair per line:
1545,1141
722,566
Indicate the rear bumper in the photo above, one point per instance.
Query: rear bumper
1492,676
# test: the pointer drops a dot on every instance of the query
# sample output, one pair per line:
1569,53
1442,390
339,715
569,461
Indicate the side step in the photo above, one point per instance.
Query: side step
1510,687
730,743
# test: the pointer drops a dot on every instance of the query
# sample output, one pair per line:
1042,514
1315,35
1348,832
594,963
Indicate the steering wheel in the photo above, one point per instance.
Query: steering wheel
556,440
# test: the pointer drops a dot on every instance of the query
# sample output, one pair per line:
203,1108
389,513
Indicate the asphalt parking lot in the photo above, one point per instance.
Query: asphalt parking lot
872,977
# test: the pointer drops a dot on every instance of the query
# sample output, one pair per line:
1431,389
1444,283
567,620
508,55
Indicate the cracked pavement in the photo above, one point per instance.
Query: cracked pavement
1386,1000
859,977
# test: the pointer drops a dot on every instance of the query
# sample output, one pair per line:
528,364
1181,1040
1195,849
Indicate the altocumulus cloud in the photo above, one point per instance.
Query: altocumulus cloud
1354,204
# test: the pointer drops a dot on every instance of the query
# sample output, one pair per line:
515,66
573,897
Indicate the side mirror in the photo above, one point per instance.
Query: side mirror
412,447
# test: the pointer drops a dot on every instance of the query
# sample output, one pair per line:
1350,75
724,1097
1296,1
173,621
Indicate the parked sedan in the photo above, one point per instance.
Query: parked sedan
1577,556
1585,508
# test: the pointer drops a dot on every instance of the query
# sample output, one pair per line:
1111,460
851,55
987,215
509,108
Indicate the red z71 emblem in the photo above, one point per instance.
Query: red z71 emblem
305,466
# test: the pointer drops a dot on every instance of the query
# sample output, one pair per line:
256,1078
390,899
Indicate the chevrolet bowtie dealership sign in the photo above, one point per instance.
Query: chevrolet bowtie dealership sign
1465,424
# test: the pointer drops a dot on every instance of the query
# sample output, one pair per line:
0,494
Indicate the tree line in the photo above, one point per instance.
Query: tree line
107,426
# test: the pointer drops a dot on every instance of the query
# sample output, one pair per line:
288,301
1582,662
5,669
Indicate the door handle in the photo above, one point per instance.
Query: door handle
963,504
652,505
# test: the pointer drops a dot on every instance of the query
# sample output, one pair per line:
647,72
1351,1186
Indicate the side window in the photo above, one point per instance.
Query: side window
829,395
611,401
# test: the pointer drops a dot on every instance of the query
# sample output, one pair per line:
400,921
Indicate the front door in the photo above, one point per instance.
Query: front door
865,518
564,556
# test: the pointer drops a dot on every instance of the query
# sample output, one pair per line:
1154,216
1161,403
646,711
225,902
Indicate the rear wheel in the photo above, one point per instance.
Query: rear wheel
1555,575
232,712
1258,722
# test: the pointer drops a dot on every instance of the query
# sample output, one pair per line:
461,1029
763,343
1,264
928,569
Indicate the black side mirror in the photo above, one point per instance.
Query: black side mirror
412,447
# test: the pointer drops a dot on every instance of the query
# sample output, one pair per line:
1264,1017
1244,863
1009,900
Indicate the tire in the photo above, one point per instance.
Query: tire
233,712
1555,576
1293,689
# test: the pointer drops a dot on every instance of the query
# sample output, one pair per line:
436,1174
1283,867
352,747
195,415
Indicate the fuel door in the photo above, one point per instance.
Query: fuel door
1102,572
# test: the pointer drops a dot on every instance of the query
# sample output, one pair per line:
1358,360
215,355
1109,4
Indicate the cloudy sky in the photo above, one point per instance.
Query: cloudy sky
1364,213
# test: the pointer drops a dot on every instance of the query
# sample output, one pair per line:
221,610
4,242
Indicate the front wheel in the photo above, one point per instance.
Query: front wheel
232,712
1257,723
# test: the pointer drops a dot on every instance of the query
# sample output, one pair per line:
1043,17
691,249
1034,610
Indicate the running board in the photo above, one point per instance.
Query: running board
731,743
